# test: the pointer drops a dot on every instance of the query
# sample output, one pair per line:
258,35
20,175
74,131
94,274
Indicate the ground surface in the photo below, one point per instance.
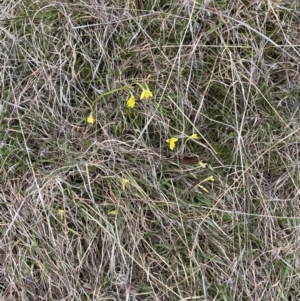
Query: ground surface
102,208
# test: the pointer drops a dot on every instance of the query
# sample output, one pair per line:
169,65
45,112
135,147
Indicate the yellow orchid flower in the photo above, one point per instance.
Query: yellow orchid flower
123,183
193,137
211,178
131,101
201,164
61,214
172,142
113,212
90,119
146,93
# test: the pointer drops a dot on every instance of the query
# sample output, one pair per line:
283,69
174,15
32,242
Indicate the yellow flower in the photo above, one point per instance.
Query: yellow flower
131,102
123,183
172,142
113,213
90,119
146,93
201,164
61,214
193,136
211,178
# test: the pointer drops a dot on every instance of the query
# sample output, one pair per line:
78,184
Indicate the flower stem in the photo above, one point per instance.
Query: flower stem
110,92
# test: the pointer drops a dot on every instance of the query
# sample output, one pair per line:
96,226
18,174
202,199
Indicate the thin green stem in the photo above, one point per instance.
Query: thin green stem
129,88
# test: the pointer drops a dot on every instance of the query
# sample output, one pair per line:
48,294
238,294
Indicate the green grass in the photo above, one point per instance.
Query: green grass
226,72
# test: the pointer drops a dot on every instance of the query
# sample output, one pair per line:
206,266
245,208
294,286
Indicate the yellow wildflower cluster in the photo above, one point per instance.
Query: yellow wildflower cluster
172,141
146,93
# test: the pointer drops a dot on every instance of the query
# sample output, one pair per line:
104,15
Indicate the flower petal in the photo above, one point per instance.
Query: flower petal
123,183
113,212
146,93
201,164
90,119
61,214
172,141
131,102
